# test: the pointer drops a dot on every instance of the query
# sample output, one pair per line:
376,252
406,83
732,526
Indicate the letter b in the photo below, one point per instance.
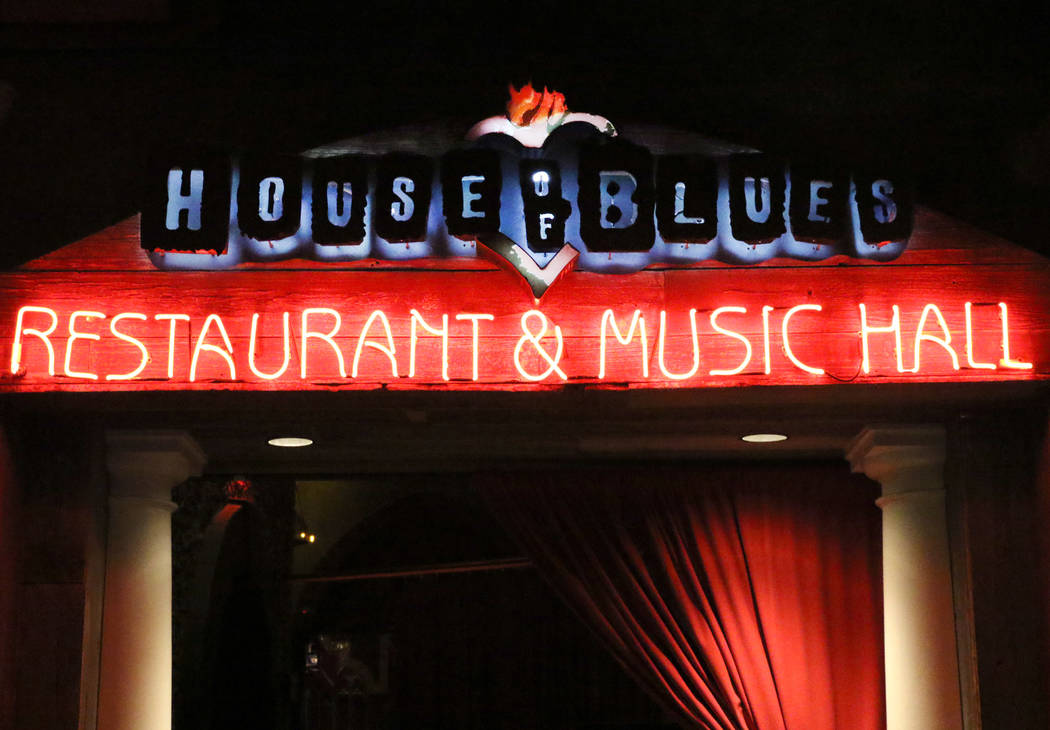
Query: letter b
618,209
616,196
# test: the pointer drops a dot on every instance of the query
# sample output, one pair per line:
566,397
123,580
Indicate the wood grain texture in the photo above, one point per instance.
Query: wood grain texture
948,266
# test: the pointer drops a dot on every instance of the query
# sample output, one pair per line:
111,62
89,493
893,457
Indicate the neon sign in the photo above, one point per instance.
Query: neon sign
554,196
384,346
542,189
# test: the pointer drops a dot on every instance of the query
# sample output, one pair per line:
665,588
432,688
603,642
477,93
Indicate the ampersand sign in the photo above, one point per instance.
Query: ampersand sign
534,334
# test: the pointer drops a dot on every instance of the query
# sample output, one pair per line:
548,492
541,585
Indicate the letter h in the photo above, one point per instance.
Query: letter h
179,202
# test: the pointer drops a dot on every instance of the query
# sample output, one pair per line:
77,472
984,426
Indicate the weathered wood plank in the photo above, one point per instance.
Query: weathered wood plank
828,339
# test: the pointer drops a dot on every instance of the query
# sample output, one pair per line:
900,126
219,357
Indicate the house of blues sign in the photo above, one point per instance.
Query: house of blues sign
543,188
647,262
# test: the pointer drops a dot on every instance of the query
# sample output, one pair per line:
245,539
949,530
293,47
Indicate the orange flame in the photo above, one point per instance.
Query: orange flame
528,106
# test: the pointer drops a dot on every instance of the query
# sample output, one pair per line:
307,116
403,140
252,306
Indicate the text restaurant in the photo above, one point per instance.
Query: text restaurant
592,425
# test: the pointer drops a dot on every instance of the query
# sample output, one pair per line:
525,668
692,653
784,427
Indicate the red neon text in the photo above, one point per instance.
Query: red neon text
796,342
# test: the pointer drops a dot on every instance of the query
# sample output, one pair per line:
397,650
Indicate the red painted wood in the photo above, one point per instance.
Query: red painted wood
947,264
828,339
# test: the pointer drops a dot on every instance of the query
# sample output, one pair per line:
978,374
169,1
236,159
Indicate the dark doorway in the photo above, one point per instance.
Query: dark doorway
481,650
484,650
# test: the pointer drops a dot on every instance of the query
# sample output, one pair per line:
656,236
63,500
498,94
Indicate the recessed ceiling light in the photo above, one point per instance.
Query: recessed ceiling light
291,442
763,438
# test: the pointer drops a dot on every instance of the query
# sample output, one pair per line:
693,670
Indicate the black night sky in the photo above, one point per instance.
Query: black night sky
959,97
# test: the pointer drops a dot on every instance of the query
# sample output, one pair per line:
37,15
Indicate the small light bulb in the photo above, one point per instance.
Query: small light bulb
291,442
311,538
763,438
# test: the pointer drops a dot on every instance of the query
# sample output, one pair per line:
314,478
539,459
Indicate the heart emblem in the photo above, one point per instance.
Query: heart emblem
508,255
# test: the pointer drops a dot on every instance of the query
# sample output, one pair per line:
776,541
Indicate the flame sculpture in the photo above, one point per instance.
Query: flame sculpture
528,106
532,115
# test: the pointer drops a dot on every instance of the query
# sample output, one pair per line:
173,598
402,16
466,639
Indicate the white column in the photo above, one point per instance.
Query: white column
922,669
135,672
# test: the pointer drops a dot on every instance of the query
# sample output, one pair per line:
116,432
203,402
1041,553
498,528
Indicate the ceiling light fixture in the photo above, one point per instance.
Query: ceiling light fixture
290,442
763,438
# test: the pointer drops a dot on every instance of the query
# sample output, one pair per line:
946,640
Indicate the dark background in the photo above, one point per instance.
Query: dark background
957,96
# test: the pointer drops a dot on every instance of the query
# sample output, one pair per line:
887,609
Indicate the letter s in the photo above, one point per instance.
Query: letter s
881,190
402,209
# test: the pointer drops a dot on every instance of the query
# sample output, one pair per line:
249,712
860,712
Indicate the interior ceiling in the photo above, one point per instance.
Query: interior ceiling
387,431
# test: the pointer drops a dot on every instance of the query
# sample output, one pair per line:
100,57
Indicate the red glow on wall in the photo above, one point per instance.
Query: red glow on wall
427,330
97,316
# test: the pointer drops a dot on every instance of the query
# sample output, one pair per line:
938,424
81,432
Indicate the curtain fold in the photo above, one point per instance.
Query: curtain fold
743,597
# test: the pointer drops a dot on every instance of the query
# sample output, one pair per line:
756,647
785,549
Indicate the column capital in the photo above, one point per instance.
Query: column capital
887,453
143,462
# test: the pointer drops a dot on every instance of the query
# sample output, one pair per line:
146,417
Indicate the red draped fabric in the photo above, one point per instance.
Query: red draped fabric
741,596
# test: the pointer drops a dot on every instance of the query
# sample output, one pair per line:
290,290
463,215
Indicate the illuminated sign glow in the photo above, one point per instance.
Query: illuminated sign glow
388,346
542,188
350,268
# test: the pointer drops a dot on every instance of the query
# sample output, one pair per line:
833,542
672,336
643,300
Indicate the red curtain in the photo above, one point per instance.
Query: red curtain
741,596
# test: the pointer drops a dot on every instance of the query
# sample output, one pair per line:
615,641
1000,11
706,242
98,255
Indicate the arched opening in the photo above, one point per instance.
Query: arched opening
485,649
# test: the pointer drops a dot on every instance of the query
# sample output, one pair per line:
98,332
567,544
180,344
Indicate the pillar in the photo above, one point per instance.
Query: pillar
10,505
922,669
135,671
